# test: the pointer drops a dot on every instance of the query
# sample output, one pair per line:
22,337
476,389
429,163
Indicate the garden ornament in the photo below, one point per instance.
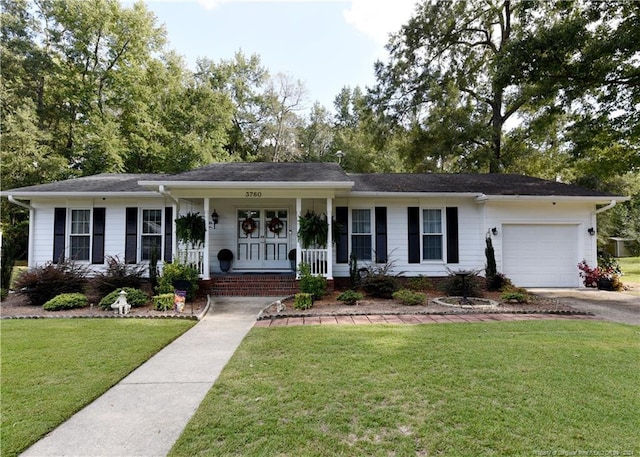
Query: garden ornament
121,303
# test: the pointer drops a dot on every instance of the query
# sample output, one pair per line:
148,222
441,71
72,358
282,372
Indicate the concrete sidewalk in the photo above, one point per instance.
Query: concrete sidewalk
145,413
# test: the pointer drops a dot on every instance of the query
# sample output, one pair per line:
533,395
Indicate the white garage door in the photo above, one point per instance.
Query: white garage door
540,255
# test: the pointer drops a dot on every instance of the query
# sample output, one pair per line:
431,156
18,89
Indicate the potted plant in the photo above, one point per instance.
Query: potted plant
225,256
292,259
190,229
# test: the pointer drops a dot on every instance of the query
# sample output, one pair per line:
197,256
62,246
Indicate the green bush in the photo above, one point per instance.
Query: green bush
512,295
419,283
66,301
380,286
303,301
135,297
410,297
118,275
45,282
350,297
310,284
498,282
163,302
178,272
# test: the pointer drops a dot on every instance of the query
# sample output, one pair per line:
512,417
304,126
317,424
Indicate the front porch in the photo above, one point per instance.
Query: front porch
252,285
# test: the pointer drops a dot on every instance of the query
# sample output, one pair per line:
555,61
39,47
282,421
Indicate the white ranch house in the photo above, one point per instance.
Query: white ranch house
426,223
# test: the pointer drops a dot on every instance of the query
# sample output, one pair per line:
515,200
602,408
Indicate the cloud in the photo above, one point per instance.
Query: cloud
376,19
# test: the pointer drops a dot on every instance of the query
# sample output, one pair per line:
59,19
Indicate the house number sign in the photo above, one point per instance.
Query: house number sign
253,194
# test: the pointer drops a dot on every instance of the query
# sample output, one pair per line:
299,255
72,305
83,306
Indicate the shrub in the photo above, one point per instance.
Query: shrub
419,283
316,286
135,297
118,275
178,272
350,297
303,301
380,286
66,301
43,283
163,302
410,297
514,295
452,285
498,282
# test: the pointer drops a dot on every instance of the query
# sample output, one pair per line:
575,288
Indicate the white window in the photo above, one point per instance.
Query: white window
432,235
151,232
80,234
361,233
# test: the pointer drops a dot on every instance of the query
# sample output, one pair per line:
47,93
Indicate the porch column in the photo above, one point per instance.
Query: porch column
174,238
330,239
206,274
298,246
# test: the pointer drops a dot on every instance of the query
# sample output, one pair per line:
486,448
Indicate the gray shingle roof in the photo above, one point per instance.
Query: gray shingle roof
489,184
105,182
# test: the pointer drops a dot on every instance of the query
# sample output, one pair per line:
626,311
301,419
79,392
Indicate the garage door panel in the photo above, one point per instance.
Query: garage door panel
537,255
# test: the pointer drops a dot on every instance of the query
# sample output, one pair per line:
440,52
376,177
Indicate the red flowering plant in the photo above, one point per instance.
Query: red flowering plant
608,269
588,274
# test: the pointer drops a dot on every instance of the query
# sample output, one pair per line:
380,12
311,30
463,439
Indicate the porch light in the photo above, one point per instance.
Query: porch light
591,231
215,218
494,230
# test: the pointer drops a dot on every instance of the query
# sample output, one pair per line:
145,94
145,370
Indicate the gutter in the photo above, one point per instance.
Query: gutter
606,208
166,193
19,203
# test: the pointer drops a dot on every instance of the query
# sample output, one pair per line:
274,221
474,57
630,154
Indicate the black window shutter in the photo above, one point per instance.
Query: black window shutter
59,227
413,227
342,243
97,250
381,234
452,235
131,236
168,234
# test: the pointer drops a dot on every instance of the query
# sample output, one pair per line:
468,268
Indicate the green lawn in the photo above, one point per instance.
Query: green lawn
51,368
630,266
509,388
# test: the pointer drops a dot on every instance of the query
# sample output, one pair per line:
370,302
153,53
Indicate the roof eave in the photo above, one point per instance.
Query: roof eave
246,184
581,198
57,194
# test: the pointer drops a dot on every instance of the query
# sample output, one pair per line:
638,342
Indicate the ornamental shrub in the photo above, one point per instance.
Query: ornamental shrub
302,301
66,301
178,272
135,297
419,283
514,295
409,297
350,297
118,275
316,286
380,286
163,302
45,282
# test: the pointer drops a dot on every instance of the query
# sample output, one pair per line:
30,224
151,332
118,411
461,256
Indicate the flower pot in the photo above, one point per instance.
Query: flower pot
605,284
225,265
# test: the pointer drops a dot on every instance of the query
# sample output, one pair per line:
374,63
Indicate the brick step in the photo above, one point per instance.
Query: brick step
250,285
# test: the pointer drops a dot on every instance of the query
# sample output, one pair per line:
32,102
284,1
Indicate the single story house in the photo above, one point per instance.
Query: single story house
427,224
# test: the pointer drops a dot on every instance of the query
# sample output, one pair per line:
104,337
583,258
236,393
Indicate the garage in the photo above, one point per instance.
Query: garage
541,255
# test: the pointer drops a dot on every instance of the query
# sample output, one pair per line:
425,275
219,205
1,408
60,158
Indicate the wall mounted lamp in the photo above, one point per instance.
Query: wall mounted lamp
494,230
591,231
215,218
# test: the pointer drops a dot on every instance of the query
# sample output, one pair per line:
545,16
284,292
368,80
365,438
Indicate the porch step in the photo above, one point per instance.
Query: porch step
251,285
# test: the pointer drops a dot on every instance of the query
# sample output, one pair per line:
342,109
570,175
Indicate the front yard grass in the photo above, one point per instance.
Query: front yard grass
51,368
508,388
630,266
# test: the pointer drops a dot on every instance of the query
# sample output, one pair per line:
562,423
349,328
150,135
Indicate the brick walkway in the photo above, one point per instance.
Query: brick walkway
411,319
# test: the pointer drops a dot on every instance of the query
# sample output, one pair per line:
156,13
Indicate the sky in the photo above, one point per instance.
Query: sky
325,44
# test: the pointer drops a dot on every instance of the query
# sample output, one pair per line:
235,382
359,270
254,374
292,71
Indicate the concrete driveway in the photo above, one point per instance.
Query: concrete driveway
613,306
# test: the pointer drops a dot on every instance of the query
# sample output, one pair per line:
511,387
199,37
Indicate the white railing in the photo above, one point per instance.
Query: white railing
193,257
317,259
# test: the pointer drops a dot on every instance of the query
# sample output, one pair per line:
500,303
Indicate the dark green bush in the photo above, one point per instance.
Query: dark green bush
302,301
350,297
498,282
178,272
118,275
380,286
163,302
452,285
45,282
514,295
66,301
310,284
410,297
135,297
419,283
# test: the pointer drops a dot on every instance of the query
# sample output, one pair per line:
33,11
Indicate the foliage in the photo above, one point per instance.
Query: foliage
313,230
380,286
316,286
303,301
11,235
354,276
514,295
410,297
190,229
419,283
66,301
153,267
176,271
453,287
491,269
608,269
44,282
135,297
163,302
350,297
225,255
118,274
498,282
58,366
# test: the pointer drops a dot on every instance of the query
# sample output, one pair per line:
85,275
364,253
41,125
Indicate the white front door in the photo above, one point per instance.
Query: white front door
263,239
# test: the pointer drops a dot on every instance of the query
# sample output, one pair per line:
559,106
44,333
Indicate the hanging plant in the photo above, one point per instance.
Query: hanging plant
275,225
190,229
248,226
313,230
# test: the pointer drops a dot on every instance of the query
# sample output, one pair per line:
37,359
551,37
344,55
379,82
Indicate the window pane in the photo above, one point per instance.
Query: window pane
432,247
148,244
361,246
79,247
151,221
361,221
431,221
80,221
